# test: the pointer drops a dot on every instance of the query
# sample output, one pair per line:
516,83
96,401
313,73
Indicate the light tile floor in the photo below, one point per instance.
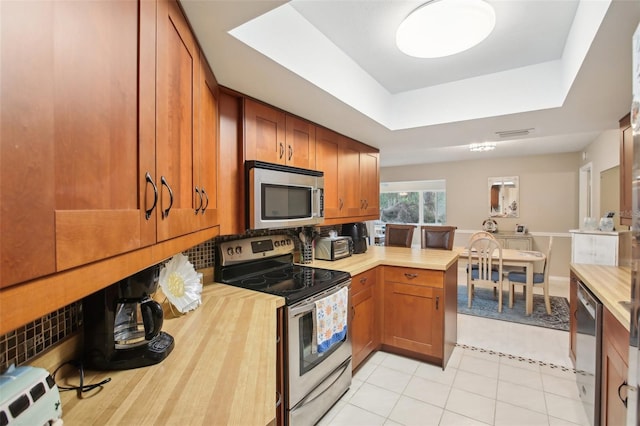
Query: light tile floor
499,374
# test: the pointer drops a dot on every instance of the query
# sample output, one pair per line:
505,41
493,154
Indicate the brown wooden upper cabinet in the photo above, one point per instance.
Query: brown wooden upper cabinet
626,169
186,128
79,151
274,136
351,177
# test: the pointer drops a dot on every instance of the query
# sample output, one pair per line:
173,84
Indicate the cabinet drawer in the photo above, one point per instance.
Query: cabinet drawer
363,281
414,276
411,290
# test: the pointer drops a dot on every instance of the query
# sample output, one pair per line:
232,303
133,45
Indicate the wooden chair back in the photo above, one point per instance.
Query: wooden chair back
437,237
486,267
398,235
480,234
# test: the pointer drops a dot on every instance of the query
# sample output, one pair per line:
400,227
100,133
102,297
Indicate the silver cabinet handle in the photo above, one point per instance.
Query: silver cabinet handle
199,195
164,182
155,195
206,198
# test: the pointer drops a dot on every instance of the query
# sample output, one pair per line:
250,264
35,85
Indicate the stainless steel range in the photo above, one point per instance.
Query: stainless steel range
317,361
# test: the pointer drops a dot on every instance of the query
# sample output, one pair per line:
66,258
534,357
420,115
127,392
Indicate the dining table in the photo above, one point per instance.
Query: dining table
526,259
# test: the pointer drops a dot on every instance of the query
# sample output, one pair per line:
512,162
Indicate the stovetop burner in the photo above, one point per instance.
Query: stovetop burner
246,263
295,282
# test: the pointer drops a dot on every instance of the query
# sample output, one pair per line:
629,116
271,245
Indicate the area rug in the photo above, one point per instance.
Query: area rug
486,305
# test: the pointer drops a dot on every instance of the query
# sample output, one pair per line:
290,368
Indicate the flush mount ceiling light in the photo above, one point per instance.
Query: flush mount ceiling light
484,146
445,27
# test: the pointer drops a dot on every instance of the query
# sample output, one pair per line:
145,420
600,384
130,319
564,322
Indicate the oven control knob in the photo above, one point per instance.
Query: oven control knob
238,249
283,242
276,243
230,251
288,241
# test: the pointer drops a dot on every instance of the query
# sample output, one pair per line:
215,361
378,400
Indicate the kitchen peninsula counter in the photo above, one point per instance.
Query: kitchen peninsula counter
415,257
222,370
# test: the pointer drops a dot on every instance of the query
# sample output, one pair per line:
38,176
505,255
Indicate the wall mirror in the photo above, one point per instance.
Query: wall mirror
504,197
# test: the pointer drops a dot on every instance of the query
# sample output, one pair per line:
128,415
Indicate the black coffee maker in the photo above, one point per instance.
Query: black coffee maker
358,233
122,324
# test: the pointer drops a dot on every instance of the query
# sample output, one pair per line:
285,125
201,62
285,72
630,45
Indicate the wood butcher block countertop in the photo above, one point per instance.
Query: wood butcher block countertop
415,257
222,370
610,284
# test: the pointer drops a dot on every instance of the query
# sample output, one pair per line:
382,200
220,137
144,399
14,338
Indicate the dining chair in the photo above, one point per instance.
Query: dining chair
484,268
477,235
437,237
398,235
480,234
517,277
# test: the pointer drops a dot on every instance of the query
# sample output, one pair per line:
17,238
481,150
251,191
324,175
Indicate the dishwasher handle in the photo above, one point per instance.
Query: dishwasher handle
586,300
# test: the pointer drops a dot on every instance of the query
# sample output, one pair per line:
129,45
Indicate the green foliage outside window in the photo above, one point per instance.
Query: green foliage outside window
416,207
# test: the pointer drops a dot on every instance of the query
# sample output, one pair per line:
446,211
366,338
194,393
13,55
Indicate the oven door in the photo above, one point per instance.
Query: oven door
307,367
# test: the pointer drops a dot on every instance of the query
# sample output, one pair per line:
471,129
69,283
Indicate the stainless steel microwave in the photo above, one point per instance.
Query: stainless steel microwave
281,196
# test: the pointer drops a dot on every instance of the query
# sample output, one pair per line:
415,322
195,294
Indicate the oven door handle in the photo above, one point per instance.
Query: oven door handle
309,304
306,399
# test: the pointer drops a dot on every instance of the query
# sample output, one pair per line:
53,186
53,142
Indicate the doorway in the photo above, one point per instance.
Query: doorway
585,208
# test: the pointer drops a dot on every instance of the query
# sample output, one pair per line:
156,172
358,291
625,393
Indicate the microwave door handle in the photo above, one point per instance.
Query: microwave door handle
317,203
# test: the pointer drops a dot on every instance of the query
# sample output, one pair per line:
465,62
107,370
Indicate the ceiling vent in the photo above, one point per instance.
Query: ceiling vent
506,134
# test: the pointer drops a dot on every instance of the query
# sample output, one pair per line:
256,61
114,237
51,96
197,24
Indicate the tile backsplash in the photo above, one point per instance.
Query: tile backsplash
23,344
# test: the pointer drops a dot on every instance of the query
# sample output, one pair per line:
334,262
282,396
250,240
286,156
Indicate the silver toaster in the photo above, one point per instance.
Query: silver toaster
335,248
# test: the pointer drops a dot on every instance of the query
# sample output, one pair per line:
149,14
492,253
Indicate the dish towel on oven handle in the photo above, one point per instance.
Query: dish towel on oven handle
331,319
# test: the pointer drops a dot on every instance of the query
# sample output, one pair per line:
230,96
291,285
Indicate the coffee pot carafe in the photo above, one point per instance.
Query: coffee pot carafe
122,324
136,322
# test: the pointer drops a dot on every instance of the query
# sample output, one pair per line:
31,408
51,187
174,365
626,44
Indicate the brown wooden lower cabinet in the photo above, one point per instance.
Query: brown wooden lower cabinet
420,312
365,329
615,364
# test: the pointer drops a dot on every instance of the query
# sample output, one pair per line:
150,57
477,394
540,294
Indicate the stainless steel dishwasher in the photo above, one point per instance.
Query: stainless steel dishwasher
588,353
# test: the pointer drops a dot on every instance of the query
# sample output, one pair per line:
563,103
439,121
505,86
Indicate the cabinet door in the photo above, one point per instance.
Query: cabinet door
594,249
207,159
518,243
69,138
626,169
370,184
177,81
364,335
615,361
413,318
300,143
349,179
327,153
264,133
